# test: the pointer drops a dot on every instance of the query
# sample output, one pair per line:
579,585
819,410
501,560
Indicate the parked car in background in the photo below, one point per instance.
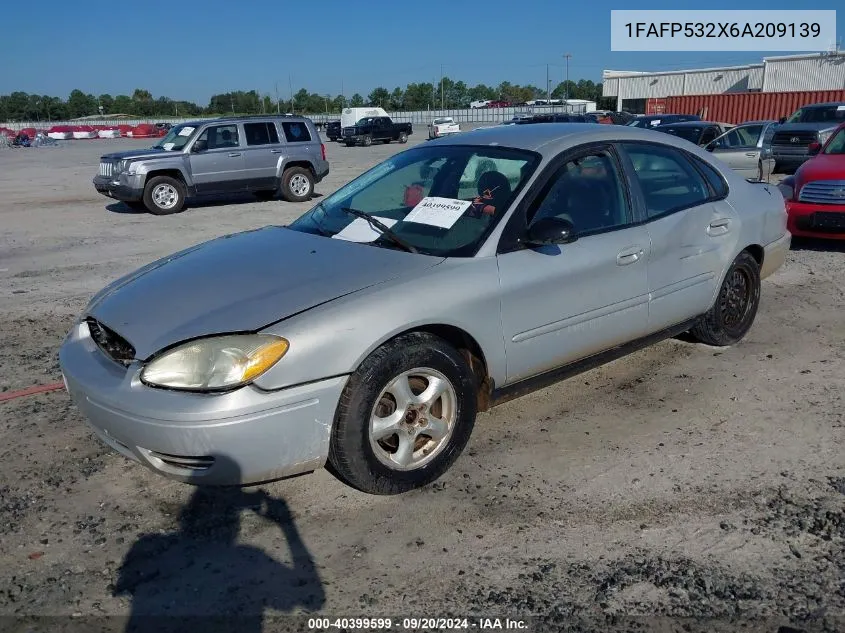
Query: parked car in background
260,154
498,104
809,124
747,148
558,117
481,103
611,117
550,250
653,120
376,128
333,130
698,132
350,116
815,195
443,126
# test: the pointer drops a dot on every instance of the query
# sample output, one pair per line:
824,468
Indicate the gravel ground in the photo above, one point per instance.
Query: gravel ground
682,482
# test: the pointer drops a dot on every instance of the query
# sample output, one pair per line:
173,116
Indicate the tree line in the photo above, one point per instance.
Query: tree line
21,106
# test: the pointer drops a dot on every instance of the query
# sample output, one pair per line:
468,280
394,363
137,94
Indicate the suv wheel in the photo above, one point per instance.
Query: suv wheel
297,184
164,195
403,138
368,140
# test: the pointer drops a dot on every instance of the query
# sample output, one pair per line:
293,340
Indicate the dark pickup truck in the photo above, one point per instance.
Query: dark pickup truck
333,131
376,128
809,124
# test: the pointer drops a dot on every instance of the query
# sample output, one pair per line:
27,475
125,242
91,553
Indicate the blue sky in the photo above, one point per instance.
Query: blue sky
187,49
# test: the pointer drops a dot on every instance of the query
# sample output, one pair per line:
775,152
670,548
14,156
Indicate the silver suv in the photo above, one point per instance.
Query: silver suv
261,154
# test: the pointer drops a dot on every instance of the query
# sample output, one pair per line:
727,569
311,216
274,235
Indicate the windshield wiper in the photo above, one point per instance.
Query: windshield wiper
381,227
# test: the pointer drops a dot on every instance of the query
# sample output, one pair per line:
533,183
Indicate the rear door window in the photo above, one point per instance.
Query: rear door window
296,132
263,133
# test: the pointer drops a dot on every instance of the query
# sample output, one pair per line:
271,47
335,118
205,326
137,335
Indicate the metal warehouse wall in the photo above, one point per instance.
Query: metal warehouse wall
739,107
826,72
646,86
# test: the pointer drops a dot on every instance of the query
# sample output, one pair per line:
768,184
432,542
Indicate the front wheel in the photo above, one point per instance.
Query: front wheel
732,315
404,416
297,184
164,195
368,140
403,138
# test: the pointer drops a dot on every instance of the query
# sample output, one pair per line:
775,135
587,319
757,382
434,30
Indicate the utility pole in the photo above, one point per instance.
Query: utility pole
548,86
441,87
566,90
342,96
232,101
290,87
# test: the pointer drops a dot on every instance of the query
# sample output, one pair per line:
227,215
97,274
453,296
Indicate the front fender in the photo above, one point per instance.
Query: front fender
167,164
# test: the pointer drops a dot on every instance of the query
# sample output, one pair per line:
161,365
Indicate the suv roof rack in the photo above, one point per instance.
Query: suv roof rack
261,116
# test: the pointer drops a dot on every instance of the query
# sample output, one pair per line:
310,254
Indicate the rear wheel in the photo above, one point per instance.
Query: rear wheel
403,138
297,184
164,195
404,417
732,315
368,140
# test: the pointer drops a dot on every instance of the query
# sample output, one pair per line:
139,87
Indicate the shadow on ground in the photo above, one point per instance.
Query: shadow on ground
201,575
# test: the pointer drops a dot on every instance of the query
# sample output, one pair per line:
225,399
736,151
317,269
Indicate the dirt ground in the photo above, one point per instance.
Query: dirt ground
683,481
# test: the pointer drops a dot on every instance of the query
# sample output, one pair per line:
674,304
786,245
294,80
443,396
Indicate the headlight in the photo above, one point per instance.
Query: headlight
121,166
823,136
216,363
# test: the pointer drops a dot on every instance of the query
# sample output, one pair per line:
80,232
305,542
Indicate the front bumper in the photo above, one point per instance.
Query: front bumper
790,158
774,255
236,438
816,220
126,187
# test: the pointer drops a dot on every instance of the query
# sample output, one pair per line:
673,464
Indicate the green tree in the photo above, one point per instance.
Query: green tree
379,97
397,98
122,105
107,103
80,104
418,96
356,101
142,103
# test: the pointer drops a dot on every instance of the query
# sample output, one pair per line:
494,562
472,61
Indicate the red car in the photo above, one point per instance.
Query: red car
815,195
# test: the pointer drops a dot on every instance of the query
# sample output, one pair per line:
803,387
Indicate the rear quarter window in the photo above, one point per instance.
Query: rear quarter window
296,132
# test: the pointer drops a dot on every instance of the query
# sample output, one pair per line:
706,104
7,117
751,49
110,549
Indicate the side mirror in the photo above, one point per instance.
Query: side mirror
710,146
814,148
550,231
782,120
199,146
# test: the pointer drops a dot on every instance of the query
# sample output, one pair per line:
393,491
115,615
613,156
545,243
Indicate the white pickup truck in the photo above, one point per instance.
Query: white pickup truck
443,126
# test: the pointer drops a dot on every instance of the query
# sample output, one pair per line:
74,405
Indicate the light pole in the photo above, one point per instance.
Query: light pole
548,86
566,89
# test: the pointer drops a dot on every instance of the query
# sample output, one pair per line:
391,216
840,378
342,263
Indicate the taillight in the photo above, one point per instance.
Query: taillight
323,150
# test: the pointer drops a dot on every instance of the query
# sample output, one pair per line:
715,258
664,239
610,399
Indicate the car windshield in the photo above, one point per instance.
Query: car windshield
836,145
441,200
176,138
691,134
825,114
443,121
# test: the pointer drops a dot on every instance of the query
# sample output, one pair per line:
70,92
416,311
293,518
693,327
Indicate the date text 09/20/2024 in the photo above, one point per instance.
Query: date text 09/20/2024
411,624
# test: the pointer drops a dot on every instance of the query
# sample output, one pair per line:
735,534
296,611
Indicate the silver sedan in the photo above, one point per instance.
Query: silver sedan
452,277
747,149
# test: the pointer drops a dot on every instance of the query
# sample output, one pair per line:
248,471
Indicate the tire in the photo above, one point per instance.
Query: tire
348,144
736,305
371,464
368,140
164,195
265,194
297,184
403,138
776,169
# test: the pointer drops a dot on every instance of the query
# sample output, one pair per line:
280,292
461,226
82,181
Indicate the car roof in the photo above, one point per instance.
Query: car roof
690,124
552,138
823,105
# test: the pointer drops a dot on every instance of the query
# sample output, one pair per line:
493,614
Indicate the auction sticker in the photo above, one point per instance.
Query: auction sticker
441,212
186,131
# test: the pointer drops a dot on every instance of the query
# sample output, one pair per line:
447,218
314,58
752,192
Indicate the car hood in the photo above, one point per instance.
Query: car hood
822,167
803,127
241,283
147,152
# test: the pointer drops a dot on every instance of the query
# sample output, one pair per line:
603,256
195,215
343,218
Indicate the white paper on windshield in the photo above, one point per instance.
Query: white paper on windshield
840,108
186,131
656,122
442,212
359,230
169,146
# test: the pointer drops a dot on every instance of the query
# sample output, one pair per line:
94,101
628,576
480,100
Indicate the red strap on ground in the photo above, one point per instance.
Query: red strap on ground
29,391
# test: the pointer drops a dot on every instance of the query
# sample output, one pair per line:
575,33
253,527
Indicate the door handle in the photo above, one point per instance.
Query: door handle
629,256
751,154
719,227
275,151
233,154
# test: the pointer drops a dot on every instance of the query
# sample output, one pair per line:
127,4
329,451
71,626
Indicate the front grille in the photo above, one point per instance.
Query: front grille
185,462
113,345
106,169
794,139
823,192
